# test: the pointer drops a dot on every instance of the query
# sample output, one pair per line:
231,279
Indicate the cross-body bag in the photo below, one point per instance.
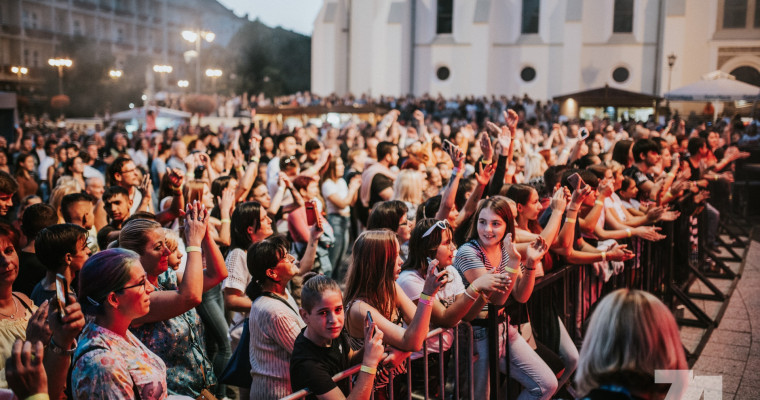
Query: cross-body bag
237,372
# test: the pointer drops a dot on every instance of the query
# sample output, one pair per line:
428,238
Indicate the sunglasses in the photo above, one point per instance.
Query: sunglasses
444,224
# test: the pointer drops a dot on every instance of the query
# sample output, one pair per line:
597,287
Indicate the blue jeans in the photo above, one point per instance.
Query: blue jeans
568,353
341,226
218,348
525,366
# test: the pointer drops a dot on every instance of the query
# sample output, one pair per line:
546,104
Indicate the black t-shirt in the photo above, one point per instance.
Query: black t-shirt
313,366
30,271
380,182
638,176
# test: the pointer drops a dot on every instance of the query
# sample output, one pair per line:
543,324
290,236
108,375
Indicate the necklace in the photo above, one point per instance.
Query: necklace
15,310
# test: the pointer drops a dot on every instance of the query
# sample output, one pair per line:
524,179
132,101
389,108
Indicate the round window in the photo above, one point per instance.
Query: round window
443,73
528,74
620,74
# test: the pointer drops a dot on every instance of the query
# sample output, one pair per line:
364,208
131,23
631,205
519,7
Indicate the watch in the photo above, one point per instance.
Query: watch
56,349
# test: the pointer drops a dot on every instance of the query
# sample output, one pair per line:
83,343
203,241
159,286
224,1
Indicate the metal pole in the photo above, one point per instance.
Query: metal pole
198,40
60,79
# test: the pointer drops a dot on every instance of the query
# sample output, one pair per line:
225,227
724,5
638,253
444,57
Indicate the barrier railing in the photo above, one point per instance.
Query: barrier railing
665,268
435,333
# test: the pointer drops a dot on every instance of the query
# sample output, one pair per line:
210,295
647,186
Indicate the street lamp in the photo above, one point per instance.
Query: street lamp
115,73
197,37
183,83
213,73
671,62
163,69
19,71
60,63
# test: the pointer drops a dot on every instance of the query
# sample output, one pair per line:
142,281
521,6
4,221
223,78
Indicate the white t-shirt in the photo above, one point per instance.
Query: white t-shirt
614,203
339,187
412,283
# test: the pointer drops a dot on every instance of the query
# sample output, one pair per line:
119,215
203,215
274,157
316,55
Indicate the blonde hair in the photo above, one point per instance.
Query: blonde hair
408,186
132,235
172,239
64,185
630,335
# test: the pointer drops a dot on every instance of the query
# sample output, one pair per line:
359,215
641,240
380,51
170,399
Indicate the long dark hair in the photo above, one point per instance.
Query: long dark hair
246,215
422,248
263,256
500,206
387,215
521,195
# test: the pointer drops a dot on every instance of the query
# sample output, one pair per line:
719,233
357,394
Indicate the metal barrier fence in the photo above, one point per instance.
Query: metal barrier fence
665,268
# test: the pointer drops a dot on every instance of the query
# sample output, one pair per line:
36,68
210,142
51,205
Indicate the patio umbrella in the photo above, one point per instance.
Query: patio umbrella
139,114
715,86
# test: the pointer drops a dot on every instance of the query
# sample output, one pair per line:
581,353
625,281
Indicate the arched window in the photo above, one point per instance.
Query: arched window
747,74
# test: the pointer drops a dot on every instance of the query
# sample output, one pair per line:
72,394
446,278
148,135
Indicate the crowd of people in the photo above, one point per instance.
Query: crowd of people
141,262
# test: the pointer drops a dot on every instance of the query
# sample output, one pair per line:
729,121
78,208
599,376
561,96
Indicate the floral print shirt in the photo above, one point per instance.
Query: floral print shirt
110,366
180,343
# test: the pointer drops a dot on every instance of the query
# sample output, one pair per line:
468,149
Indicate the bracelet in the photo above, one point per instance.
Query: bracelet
598,203
485,162
468,295
570,220
570,209
426,302
255,160
510,270
56,349
628,231
604,256
474,289
454,171
424,296
190,249
227,220
368,370
525,268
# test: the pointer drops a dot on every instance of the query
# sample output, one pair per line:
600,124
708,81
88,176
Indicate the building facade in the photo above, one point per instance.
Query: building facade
540,47
31,30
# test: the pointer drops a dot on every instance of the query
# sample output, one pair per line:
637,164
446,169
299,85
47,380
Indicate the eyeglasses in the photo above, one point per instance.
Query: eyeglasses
443,224
290,160
128,171
143,284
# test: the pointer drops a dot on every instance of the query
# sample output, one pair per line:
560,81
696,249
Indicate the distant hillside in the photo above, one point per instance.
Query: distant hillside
271,60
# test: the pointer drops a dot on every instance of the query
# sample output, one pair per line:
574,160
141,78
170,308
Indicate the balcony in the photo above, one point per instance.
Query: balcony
39,34
11,29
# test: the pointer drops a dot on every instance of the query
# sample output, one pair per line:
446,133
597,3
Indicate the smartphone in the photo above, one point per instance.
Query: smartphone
61,293
311,212
575,181
439,267
584,134
447,146
368,321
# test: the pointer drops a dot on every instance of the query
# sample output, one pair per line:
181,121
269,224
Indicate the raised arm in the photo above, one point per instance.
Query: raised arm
449,194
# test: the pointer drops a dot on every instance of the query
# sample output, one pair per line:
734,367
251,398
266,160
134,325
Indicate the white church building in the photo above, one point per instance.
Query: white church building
540,47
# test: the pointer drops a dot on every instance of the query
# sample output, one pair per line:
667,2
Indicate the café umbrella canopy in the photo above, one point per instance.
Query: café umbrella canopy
165,117
715,86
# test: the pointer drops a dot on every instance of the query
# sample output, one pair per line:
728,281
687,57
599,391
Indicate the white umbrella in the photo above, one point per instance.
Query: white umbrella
139,114
715,86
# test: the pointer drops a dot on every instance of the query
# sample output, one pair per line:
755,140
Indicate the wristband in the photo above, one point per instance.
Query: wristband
525,268
454,171
255,160
510,270
368,370
38,396
604,256
424,296
474,289
426,302
598,203
670,174
190,249
628,231
570,220
56,349
227,220
485,162
468,295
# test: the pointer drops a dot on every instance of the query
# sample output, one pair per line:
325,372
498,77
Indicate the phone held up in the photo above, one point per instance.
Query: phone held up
368,322
312,214
61,293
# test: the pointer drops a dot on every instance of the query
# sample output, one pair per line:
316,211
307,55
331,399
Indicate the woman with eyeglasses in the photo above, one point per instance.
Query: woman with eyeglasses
434,240
111,362
172,328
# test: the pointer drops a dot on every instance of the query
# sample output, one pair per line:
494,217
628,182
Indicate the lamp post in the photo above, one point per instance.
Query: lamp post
213,73
183,83
60,63
163,70
671,62
197,37
19,71
115,73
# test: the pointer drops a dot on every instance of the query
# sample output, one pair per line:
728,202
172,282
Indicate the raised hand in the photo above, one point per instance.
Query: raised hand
24,370
434,279
606,188
485,146
492,129
559,200
66,329
146,187
196,221
227,200
619,252
511,118
484,173
536,251
514,255
176,177
579,195
38,329
504,138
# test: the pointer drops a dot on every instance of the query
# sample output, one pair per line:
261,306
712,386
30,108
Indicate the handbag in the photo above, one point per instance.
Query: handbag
237,372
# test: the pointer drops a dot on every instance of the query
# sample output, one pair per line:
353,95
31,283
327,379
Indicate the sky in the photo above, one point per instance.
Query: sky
294,15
